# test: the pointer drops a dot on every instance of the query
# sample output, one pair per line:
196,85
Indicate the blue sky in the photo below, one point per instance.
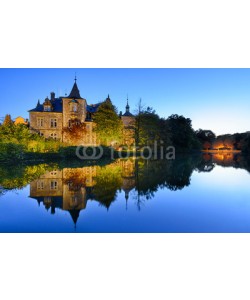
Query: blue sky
216,99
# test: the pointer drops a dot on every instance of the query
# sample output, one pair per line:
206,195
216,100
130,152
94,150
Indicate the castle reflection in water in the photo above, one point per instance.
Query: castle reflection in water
70,189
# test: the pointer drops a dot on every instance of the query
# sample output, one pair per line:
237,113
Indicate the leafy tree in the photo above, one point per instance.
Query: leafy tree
7,121
183,136
108,124
206,137
75,132
108,182
147,127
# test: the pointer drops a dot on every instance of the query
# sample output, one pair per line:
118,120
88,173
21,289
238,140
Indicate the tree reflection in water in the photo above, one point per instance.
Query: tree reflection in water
70,189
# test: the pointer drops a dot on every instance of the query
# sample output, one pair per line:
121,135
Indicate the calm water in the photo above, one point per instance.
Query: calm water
191,194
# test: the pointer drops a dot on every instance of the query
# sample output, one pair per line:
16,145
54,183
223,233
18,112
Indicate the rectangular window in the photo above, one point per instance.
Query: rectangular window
75,108
40,185
53,123
40,122
53,185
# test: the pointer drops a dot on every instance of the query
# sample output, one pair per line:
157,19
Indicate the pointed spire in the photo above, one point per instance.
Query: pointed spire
75,93
75,77
38,103
108,98
74,215
126,197
127,106
127,112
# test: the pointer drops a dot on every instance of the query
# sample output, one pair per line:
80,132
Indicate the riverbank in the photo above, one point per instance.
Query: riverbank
221,151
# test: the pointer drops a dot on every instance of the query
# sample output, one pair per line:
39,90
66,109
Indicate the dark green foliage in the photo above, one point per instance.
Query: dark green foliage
183,137
147,128
176,131
11,152
17,176
15,140
108,124
206,138
108,182
237,141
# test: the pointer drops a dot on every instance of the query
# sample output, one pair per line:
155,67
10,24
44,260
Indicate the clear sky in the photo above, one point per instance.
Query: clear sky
216,99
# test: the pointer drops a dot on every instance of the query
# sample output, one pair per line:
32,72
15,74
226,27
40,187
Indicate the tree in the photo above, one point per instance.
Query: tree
108,124
206,137
7,121
147,127
183,136
75,133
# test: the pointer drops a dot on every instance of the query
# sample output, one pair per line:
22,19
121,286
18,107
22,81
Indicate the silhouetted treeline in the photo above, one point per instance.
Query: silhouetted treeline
237,141
174,131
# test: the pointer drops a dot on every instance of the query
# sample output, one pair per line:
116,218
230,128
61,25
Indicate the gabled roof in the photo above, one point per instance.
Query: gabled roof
75,93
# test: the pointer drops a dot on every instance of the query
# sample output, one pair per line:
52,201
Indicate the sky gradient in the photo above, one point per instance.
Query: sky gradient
216,99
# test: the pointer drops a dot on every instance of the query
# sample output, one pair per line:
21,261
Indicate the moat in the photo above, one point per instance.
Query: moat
199,193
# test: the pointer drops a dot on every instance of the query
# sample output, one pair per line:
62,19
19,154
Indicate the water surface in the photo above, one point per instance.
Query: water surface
190,194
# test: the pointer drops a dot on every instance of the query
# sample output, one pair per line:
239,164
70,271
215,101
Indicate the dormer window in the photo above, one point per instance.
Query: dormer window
47,106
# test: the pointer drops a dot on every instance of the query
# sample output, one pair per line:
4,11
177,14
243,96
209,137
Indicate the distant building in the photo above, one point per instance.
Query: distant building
21,120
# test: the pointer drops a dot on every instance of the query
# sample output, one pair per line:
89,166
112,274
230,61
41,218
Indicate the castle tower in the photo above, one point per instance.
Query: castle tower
74,108
128,121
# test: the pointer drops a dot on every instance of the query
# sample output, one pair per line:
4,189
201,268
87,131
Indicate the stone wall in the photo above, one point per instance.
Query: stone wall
68,114
46,130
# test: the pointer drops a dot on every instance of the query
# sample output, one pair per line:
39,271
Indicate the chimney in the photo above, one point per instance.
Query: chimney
52,96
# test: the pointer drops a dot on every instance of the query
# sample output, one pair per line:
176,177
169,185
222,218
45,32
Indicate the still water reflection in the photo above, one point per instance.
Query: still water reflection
190,194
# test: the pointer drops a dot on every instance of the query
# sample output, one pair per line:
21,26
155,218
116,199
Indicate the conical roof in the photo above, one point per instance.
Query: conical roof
75,93
74,214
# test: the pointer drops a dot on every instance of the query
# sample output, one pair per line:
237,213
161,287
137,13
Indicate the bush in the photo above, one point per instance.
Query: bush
11,151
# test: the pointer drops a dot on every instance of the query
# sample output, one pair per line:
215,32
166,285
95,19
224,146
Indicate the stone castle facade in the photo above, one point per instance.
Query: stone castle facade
70,189
53,118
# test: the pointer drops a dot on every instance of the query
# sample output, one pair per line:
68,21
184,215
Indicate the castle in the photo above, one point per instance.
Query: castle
70,189
50,118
